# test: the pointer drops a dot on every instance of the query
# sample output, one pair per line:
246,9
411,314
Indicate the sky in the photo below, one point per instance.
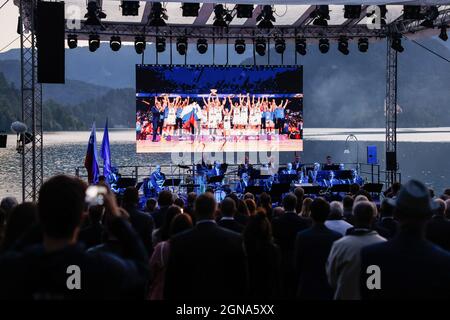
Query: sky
8,25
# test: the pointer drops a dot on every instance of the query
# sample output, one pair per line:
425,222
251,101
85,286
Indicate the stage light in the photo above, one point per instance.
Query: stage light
239,46
397,43
324,45
115,43
157,15
139,44
300,46
202,46
265,18
130,8
443,34
363,44
430,15
160,44
244,10
94,42
260,46
352,12
222,16
72,41
94,13
280,45
182,45
190,9
411,13
320,15
343,45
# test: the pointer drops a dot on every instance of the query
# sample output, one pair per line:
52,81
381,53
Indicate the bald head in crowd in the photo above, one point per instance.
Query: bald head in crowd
364,212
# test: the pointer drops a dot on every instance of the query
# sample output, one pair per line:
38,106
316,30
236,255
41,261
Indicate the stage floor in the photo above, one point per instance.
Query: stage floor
262,143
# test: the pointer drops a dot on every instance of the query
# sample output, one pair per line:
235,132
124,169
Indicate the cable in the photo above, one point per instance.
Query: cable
4,4
6,47
429,50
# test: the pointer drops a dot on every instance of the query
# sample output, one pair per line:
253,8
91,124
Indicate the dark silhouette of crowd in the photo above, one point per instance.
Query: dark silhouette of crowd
239,249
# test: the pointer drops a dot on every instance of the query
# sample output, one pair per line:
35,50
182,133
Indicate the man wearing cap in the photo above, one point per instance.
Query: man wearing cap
408,266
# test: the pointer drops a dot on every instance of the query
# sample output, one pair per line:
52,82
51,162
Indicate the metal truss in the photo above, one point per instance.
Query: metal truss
32,145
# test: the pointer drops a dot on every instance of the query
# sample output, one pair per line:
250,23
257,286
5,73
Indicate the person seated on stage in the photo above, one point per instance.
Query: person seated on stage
289,169
245,167
157,179
301,177
217,170
356,178
329,161
330,180
113,178
243,183
267,183
312,175
341,166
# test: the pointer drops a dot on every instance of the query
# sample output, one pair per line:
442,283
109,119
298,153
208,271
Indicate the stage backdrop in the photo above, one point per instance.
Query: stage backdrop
197,108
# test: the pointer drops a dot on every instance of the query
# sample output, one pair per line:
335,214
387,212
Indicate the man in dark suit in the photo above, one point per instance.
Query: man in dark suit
243,183
156,113
408,266
285,229
207,262
312,248
228,209
165,200
141,222
438,228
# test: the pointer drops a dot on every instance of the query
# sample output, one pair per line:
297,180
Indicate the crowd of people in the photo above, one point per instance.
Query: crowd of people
240,248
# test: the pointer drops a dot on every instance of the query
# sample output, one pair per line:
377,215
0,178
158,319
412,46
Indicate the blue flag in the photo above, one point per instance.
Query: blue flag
106,152
90,162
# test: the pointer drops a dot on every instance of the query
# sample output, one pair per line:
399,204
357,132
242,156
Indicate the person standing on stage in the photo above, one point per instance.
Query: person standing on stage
279,115
245,167
171,115
178,119
157,179
269,118
156,116
226,122
163,115
297,165
263,109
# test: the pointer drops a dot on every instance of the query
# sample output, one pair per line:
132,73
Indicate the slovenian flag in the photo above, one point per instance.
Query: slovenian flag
106,152
90,162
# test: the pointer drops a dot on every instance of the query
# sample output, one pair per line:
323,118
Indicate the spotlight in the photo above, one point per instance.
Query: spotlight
280,45
300,46
244,10
182,45
352,12
190,9
139,44
411,13
363,44
343,45
443,34
94,42
320,15
430,15
260,46
94,13
222,16
115,43
160,44
202,46
239,46
157,15
72,41
397,43
265,18
130,8
324,45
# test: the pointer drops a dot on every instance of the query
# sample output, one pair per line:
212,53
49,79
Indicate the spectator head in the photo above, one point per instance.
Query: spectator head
234,197
179,202
447,192
251,205
364,212
439,207
180,223
205,206
191,198
258,232
165,198
277,212
265,200
447,211
347,203
320,209
130,197
171,212
306,207
299,193
8,204
228,207
336,210
150,205
249,195
96,214
61,205
364,193
21,218
359,198
242,208
102,179
290,202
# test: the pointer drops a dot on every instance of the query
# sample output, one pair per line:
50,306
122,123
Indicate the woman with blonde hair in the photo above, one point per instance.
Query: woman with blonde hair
306,208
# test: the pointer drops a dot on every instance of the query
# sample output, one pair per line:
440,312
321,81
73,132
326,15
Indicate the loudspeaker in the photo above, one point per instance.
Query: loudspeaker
372,155
50,24
391,161
3,138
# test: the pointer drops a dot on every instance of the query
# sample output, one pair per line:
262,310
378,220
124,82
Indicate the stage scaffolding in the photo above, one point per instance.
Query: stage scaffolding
32,153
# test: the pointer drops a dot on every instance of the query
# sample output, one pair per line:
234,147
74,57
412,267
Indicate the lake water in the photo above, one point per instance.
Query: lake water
422,153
